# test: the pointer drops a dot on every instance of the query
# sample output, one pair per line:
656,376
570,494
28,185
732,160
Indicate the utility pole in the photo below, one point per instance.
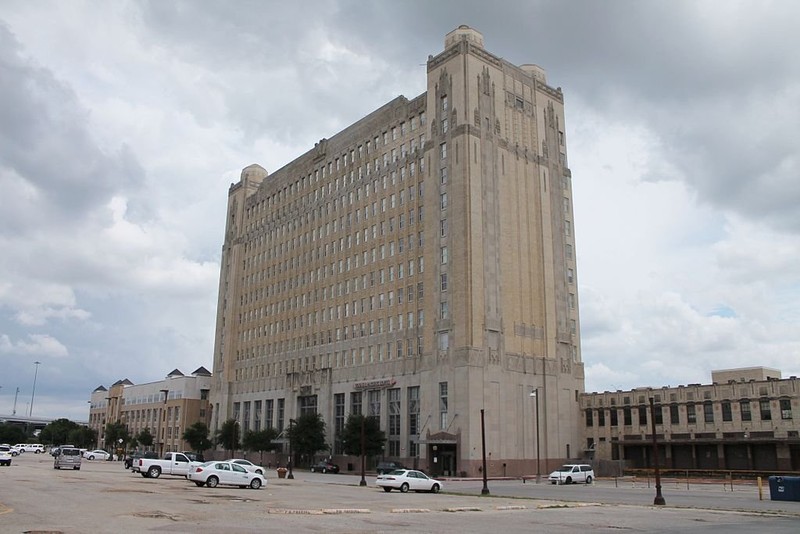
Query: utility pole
15,402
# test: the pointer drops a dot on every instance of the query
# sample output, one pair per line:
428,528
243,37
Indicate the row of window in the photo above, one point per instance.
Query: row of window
273,414
745,413
398,349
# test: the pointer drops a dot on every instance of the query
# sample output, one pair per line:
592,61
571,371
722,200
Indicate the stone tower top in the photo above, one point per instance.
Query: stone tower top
463,33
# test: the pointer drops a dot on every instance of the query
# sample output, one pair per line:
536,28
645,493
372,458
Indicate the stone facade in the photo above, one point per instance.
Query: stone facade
743,423
418,266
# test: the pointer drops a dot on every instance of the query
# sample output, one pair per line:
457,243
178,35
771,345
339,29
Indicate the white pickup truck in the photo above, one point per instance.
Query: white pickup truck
173,463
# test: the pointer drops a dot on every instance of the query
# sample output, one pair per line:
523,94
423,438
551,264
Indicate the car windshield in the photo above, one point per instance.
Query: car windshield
565,468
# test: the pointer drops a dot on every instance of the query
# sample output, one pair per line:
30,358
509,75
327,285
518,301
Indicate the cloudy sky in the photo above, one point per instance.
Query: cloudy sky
123,123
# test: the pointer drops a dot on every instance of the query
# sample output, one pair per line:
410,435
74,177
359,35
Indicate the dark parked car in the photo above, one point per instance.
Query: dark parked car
325,467
133,457
388,467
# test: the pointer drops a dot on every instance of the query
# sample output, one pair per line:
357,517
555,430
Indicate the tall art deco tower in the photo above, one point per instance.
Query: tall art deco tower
418,266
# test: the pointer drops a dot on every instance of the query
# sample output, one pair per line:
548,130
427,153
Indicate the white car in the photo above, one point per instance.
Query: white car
13,451
5,457
408,479
572,474
212,474
250,466
97,454
31,447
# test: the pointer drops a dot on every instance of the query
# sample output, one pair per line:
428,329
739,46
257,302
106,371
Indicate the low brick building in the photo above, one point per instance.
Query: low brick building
744,420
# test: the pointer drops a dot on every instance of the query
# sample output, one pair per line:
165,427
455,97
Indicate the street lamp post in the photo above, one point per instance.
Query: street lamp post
535,395
363,453
659,500
162,429
33,393
485,489
291,427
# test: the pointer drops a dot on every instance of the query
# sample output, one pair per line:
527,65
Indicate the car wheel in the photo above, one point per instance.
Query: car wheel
144,475
255,483
77,468
324,470
568,480
154,472
212,482
588,480
91,457
198,484
387,489
313,469
435,488
404,488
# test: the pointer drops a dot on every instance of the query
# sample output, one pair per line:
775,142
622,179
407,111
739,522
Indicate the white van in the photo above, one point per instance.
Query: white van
572,474
67,457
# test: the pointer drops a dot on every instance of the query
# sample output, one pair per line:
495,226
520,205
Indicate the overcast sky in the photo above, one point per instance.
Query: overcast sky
122,124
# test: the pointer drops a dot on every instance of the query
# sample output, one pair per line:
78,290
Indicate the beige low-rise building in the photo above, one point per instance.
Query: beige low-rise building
166,407
745,419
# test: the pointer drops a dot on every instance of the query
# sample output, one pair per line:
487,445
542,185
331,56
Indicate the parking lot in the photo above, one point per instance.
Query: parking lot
104,497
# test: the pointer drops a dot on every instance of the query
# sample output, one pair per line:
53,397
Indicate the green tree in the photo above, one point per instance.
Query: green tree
228,436
57,432
117,435
374,437
307,435
197,437
145,438
83,437
260,441
11,434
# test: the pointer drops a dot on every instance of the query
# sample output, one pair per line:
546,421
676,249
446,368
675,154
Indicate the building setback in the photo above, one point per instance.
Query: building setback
418,266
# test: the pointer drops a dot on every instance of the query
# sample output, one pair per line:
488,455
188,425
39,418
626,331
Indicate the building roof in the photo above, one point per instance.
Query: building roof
201,371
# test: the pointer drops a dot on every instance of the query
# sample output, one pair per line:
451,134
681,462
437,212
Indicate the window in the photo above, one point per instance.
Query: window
786,408
338,420
727,414
601,417
443,228
443,201
589,417
443,152
444,255
413,419
674,417
374,400
281,413
614,417
443,281
444,310
355,402
443,175
766,412
627,416
658,412
570,276
744,409
708,412
691,415
444,103
642,415
443,405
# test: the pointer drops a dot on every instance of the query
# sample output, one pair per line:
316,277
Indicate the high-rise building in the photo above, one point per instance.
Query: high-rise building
418,266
